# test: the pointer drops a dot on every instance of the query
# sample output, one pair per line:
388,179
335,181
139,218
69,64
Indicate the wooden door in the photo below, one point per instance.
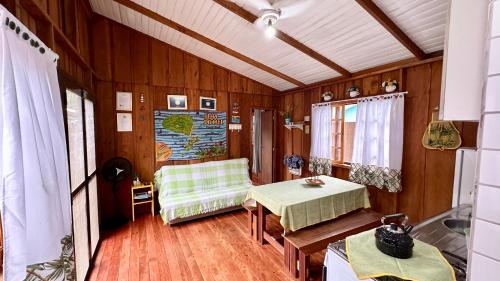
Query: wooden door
267,147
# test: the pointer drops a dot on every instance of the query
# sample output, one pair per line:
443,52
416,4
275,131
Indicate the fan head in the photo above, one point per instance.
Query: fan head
116,169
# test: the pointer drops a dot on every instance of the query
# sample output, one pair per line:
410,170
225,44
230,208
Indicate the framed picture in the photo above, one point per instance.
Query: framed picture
177,102
208,103
124,101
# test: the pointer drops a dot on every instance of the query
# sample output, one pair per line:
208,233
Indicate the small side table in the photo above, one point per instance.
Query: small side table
149,199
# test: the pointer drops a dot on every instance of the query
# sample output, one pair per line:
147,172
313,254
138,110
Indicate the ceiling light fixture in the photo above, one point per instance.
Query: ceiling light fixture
270,17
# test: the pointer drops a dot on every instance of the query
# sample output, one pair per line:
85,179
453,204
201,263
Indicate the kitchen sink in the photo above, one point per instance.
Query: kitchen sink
457,225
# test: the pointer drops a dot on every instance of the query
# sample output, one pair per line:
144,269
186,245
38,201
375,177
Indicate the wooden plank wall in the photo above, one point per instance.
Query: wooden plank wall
48,20
126,60
427,174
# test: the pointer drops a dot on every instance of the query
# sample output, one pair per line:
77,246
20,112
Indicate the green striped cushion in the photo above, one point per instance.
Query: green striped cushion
180,179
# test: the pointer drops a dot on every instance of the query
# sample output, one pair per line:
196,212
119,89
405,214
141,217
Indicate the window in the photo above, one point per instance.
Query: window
81,153
344,124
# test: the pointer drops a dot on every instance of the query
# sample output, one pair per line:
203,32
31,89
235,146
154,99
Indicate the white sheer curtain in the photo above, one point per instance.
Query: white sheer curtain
34,183
378,142
321,140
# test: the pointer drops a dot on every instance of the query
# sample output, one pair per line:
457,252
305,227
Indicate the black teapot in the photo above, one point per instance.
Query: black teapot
394,239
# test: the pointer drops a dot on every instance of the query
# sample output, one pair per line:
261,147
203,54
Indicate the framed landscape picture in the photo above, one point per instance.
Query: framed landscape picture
177,102
208,103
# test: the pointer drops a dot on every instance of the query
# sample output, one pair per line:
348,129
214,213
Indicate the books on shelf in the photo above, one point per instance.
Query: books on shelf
142,195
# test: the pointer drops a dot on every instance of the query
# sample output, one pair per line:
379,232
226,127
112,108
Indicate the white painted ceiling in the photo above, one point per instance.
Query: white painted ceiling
340,30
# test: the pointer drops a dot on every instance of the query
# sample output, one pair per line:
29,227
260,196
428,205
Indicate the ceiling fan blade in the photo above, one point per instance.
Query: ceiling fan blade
290,8
260,4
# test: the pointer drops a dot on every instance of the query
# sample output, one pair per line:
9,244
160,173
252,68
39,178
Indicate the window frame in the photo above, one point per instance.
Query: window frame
67,83
335,105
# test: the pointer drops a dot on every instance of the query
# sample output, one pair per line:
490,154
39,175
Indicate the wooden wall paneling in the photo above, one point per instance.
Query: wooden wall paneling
257,101
223,106
439,173
160,98
175,67
207,75
159,63
298,116
246,106
221,79
287,139
267,101
124,143
191,71
53,11
278,104
144,131
193,99
120,44
235,83
82,32
416,114
371,85
306,140
101,55
68,13
140,57
469,134
105,139
235,136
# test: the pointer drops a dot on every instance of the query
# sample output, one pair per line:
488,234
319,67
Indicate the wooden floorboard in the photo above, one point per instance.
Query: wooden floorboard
209,249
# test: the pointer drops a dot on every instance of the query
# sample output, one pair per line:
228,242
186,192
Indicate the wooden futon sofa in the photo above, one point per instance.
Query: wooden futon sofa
192,191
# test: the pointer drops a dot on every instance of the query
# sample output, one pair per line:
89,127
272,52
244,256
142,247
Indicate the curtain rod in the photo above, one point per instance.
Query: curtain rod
9,21
356,99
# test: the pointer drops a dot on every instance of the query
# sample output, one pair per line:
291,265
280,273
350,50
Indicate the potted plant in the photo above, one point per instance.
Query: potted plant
353,91
294,163
390,85
287,114
327,96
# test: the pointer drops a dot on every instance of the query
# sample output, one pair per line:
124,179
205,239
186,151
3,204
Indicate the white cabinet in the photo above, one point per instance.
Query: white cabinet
464,60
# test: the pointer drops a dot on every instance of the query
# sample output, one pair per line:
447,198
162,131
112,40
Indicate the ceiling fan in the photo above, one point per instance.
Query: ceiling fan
270,11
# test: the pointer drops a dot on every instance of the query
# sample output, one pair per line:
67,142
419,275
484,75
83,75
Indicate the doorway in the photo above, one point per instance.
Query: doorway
263,139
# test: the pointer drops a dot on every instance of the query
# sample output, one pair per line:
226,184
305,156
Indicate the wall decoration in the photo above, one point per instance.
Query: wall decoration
208,103
327,96
390,85
353,91
177,102
235,113
189,135
124,122
124,101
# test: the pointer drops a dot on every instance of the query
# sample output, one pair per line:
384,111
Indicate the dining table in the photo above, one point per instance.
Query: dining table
300,205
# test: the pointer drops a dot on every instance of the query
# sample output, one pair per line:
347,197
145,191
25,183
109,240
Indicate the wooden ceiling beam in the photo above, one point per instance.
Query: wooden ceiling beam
193,34
248,16
390,26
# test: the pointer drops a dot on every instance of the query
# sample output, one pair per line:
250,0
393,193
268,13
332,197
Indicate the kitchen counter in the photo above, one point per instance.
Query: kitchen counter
433,231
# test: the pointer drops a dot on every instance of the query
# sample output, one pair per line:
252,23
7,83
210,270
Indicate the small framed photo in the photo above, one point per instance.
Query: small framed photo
177,102
124,101
208,104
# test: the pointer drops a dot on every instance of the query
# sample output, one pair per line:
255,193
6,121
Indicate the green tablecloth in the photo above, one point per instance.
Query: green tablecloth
300,205
426,264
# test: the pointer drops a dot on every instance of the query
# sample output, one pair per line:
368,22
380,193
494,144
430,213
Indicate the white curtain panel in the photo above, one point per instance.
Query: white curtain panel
34,184
321,140
378,142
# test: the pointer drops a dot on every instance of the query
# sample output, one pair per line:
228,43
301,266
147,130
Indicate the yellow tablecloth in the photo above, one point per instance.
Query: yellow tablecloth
426,264
300,205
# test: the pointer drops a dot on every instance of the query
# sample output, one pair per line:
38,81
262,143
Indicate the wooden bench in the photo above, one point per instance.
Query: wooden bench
252,220
299,245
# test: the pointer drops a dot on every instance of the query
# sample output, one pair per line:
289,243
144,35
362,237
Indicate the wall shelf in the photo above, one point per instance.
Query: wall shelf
296,125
